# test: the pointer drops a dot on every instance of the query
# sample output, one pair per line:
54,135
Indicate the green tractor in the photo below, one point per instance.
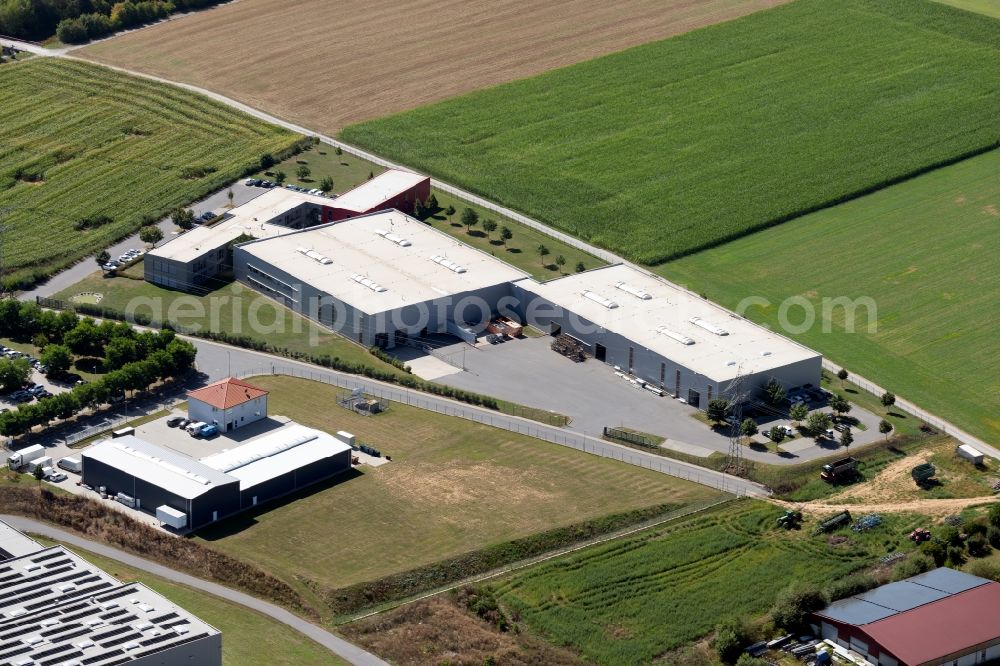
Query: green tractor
790,520
923,474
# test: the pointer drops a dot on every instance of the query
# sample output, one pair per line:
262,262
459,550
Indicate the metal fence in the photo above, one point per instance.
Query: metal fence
554,435
632,437
98,429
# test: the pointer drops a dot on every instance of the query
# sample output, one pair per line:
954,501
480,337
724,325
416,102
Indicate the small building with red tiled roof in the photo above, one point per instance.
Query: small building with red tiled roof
230,403
939,618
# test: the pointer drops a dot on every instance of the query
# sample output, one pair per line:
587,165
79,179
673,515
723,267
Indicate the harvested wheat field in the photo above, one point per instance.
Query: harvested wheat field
328,64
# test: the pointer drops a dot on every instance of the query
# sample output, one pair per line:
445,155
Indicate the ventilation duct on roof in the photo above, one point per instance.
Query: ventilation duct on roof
708,326
448,263
683,339
635,291
368,282
597,298
315,256
398,240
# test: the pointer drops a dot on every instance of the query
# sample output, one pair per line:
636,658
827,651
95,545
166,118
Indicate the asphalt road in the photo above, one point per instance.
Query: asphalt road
335,644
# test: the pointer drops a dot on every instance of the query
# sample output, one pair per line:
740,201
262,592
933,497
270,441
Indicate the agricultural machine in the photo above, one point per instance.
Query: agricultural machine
790,520
840,470
922,474
830,524
920,535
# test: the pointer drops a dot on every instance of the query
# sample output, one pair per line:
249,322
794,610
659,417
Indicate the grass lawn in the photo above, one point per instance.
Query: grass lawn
348,171
231,308
922,251
629,600
248,638
987,7
682,144
452,487
82,141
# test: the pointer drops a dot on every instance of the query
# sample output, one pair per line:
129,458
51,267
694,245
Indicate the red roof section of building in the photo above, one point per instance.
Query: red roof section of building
942,627
227,393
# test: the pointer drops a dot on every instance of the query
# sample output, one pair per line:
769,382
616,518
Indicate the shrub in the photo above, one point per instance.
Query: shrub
994,515
791,609
730,638
850,585
978,545
985,569
71,31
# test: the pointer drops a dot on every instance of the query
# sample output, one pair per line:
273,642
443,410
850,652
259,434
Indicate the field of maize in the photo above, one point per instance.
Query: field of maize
81,142
631,600
683,144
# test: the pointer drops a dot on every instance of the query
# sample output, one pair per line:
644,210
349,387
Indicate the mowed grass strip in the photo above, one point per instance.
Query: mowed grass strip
452,487
630,600
353,60
81,141
669,147
248,638
924,253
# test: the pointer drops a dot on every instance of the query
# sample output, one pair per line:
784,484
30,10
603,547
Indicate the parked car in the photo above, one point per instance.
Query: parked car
184,423
194,429
56,476
44,393
116,399
36,389
248,182
841,427
208,216
109,267
257,182
210,430
266,183
175,421
43,369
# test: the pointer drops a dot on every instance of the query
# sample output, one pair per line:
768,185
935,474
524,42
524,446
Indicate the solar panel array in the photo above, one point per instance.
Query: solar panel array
58,610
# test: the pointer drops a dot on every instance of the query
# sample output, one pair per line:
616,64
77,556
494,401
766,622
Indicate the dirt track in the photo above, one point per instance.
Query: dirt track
935,508
327,64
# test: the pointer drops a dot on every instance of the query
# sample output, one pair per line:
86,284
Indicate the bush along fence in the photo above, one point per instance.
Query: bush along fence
96,520
401,375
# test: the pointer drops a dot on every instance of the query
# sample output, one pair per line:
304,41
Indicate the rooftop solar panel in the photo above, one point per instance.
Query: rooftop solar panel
902,596
948,580
856,611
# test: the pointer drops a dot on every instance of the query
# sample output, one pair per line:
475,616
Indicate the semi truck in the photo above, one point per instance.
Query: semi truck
845,468
19,459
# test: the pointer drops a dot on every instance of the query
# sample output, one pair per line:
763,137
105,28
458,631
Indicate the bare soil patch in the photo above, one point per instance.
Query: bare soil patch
328,64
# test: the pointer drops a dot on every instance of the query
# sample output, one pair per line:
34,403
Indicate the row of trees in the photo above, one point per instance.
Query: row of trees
175,359
40,19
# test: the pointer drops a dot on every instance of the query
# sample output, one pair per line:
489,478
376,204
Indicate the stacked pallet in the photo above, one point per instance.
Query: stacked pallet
568,347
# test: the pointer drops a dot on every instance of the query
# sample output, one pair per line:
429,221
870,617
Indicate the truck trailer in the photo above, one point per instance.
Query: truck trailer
845,468
19,459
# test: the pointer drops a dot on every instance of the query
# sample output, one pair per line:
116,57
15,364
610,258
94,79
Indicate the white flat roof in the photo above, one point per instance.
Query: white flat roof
252,219
668,311
178,474
378,190
15,544
275,454
405,260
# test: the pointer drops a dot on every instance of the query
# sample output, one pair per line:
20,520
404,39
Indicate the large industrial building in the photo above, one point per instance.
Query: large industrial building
196,256
379,279
663,334
187,494
939,618
58,609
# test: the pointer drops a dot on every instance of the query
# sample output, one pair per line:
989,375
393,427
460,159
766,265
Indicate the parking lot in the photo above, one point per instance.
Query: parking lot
526,371
180,441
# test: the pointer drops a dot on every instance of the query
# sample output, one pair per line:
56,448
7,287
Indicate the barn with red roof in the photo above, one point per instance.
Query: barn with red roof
942,617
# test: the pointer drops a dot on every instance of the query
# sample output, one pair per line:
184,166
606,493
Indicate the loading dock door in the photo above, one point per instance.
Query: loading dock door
694,398
600,352
556,329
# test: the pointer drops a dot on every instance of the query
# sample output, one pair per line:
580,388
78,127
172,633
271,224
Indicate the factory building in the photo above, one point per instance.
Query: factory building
390,190
379,279
665,335
187,494
203,253
229,403
154,476
56,608
942,617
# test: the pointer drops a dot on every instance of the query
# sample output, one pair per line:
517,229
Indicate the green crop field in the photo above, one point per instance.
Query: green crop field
988,7
81,141
630,600
682,144
923,251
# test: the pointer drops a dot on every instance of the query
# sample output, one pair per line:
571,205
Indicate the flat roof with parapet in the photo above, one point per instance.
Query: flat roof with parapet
115,624
670,321
378,190
252,219
382,261
176,473
15,544
264,458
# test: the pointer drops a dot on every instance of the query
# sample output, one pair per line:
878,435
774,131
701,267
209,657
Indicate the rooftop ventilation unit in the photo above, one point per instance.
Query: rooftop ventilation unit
315,256
683,339
597,298
389,236
448,263
635,291
17,612
368,282
765,353
708,326
84,644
